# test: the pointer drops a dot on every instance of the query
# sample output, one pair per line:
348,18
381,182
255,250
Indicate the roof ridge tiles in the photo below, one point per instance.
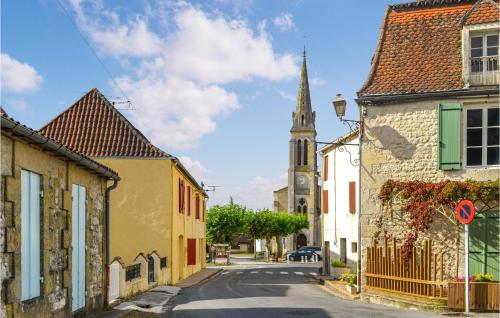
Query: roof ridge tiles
93,115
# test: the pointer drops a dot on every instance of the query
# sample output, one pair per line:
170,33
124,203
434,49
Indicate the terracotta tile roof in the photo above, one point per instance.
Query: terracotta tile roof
94,127
483,12
419,48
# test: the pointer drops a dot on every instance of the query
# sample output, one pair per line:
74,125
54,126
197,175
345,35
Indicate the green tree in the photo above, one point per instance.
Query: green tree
288,224
225,223
256,226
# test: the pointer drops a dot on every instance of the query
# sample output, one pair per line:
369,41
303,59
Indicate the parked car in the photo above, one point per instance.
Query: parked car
297,255
315,249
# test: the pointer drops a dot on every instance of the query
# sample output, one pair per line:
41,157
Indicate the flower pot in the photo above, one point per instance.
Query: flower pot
483,295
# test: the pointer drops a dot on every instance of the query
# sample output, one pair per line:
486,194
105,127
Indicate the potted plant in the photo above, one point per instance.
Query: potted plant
339,268
351,280
484,293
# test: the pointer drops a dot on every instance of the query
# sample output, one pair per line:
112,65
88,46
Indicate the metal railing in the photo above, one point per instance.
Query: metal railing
484,64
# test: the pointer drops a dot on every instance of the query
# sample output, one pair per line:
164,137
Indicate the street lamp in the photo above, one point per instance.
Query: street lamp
339,104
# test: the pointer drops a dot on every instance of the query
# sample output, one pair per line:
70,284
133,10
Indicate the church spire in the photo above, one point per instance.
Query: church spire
304,98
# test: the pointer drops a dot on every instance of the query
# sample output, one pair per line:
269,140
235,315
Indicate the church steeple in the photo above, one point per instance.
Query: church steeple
304,98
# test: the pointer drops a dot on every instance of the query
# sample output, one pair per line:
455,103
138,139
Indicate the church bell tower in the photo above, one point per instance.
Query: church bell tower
302,172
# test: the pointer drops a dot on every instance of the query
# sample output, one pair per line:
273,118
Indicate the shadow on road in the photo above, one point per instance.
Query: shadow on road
251,313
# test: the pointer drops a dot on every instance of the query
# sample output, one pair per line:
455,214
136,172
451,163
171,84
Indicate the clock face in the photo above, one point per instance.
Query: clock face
302,182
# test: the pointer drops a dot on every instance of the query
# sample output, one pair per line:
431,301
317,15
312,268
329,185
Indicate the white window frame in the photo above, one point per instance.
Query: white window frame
469,31
484,53
484,136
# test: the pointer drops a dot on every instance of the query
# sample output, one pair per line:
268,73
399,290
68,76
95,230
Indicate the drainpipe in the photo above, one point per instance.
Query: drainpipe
106,199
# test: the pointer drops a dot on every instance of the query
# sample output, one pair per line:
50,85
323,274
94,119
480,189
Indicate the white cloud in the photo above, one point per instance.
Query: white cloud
286,96
196,168
18,77
284,22
317,81
176,79
256,194
17,104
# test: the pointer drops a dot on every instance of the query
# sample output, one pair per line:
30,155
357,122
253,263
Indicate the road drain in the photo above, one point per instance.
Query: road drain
300,313
145,306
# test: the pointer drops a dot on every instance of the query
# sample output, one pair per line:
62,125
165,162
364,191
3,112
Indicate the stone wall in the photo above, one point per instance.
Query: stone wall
57,178
401,142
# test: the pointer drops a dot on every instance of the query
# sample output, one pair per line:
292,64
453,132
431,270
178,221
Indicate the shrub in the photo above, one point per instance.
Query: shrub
483,277
338,263
349,278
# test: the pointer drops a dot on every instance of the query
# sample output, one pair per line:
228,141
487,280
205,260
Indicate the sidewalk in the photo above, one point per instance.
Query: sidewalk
154,301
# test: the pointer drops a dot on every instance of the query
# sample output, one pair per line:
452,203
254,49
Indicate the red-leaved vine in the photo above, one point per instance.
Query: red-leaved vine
422,200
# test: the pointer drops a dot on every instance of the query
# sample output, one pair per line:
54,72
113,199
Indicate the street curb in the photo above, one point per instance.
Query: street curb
205,279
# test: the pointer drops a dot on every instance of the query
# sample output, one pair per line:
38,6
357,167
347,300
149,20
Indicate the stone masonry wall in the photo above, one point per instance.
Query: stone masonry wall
57,178
401,142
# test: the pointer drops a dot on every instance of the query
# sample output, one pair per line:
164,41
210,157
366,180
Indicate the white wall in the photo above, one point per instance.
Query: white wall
339,222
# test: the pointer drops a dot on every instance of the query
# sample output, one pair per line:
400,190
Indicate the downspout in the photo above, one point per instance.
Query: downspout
106,199
360,134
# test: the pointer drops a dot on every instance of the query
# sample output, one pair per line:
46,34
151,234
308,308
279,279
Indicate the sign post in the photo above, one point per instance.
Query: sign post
465,214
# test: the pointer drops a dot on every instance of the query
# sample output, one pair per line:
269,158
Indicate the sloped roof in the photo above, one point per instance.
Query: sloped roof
419,47
95,128
17,130
483,12
342,140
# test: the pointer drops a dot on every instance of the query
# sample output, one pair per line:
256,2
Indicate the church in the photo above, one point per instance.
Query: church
301,196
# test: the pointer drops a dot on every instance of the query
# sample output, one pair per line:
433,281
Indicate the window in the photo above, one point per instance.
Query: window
352,197
482,136
303,120
299,152
191,251
132,272
197,205
163,262
354,247
302,206
325,168
189,200
180,195
325,201
30,234
484,53
305,152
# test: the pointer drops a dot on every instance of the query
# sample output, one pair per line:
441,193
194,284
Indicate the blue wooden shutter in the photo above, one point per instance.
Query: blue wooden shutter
78,246
30,235
450,136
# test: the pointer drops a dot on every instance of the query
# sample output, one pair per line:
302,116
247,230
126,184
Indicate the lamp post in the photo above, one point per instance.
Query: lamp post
339,104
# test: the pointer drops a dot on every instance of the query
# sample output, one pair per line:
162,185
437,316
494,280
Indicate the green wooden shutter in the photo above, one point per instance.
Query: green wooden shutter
449,136
484,244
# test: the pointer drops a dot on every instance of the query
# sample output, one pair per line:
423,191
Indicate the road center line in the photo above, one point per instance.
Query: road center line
299,273
284,273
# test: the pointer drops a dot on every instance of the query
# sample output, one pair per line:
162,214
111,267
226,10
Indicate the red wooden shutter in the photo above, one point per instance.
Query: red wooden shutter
180,195
325,201
325,167
352,197
204,209
197,205
189,200
191,251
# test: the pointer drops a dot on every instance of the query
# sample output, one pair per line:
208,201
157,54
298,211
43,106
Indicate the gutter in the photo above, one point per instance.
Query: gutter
107,248
430,95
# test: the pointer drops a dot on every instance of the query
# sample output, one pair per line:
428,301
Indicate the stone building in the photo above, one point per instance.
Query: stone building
430,107
53,226
302,190
157,231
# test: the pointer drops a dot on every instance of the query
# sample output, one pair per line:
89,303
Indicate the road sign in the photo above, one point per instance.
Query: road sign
465,211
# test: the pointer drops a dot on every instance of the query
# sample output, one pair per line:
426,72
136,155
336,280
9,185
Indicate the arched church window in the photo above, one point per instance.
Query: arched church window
303,120
302,206
305,152
299,152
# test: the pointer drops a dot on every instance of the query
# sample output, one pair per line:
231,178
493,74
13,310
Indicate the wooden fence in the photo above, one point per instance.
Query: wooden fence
421,276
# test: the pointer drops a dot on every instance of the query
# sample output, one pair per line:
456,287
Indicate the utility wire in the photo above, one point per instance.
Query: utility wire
128,101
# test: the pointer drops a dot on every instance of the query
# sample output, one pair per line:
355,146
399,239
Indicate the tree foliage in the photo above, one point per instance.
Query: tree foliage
225,223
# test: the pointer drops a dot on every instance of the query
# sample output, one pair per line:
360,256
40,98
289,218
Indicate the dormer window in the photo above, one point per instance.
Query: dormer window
484,53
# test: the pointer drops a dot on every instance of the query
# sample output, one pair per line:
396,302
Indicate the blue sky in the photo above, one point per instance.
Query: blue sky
212,82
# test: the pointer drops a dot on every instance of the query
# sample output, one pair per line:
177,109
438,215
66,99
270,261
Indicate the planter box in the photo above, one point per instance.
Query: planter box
483,295
337,271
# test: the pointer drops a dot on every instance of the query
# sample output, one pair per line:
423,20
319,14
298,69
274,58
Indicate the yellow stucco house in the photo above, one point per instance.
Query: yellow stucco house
156,234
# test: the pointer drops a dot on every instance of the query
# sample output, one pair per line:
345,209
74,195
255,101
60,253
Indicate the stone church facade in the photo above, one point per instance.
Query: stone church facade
303,186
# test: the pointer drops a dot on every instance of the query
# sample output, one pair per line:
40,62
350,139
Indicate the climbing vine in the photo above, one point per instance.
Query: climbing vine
422,200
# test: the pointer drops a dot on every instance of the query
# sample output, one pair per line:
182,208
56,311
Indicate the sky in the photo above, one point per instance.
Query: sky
211,82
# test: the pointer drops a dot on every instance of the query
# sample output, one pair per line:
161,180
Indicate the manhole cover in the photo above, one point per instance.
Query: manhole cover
300,313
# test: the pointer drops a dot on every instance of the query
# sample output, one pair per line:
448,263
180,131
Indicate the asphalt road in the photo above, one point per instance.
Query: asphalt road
262,291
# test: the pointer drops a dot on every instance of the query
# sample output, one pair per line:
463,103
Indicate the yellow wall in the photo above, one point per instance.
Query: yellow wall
141,208
186,226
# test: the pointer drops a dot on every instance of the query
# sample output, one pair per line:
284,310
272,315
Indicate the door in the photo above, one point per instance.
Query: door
182,257
78,247
151,269
343,250
301,240
484,244
30,234
114,281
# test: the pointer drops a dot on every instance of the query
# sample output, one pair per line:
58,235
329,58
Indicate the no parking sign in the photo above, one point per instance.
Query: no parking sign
465,214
